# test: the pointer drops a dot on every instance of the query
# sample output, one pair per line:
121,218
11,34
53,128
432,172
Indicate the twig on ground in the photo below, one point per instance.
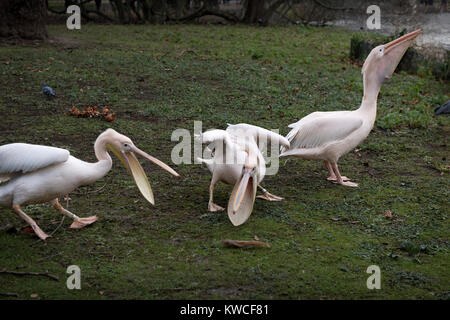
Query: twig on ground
93,191
244,243
48,257
59,225
18,273
9,294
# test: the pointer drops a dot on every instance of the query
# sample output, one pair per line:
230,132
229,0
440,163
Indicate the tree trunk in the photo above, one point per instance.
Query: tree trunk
254,12
260,11
23,18
159,11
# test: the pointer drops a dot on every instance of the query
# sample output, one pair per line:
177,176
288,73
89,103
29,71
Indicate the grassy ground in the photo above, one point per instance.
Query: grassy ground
160,78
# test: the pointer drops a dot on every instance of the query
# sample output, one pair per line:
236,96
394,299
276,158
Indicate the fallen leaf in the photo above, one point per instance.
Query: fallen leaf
388,214
28,229
74,111
106,111
110,117
245,243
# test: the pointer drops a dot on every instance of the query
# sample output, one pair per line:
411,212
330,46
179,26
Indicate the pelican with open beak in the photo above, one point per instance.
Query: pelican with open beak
242,199
126,152
32,174
327,136
238,161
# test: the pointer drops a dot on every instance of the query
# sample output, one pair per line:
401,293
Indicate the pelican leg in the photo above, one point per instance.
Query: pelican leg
212,207
339,179
77,221
332,176
38,231
268,196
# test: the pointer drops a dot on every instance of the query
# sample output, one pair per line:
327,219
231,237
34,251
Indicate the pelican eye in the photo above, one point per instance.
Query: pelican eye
251,173
126,147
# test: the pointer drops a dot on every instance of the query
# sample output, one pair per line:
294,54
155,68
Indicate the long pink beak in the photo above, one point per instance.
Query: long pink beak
402,39
154,160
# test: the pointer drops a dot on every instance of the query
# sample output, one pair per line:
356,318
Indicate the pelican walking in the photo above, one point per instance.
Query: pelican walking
329,135
31,174
238,161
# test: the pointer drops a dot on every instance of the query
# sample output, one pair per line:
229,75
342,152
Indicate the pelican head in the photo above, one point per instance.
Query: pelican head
383,59
126,151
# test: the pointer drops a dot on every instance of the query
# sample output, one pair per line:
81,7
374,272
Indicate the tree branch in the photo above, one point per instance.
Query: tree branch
320,3
271,9
204,11
101,15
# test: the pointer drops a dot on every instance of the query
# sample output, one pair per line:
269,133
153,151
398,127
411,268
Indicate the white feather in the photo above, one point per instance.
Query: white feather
318,114
215,135
23,158
321,131
258,133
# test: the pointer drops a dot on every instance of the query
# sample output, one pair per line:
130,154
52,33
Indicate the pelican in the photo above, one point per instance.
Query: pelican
31,174
238,161
329,135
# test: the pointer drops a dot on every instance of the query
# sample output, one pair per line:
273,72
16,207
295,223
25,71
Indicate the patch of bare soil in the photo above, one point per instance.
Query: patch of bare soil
16,41
67,43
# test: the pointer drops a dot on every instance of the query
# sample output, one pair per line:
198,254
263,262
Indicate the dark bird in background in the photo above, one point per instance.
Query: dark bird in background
48,91
444,109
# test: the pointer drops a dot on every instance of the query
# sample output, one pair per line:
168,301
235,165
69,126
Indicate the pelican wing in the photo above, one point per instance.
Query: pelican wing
244,129
215,135
23,158
321,131
318,114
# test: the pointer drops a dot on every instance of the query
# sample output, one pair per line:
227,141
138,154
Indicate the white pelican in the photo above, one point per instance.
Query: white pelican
329,135
38,174
238,161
